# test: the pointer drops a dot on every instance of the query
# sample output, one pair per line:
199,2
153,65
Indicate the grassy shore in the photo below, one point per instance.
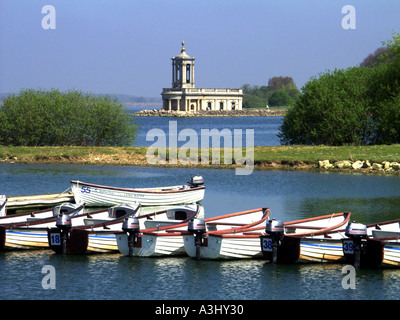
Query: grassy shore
276,157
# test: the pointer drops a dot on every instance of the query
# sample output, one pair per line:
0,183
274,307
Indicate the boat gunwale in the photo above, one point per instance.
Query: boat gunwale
330,229
77,182
299,235
23,214
141,217
45,220
153,231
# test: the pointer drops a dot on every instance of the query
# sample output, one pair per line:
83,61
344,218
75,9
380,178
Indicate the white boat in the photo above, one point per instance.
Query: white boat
28,231
37,215
316,239
101,237
159,239
103,196
3,201
374,245
234,236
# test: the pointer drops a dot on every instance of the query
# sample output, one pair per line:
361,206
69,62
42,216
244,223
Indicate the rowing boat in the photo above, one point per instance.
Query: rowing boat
233,236
169,240
316,239
148,242
94,195
3,201
101,237
36,215
30,231
374,245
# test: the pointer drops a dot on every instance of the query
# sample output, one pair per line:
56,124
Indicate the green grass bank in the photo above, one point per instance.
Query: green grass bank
366,159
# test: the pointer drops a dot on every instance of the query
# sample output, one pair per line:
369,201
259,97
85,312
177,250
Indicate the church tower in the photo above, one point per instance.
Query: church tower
182,70
184,97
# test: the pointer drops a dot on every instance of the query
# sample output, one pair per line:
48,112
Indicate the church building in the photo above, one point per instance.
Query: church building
183,96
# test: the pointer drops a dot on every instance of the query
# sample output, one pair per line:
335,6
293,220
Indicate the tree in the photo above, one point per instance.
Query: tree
254,101
385,93
277,83
279,98
374,58
38,118
359,105
333,110
258,97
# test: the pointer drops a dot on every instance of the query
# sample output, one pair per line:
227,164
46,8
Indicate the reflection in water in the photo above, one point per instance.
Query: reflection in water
112,276
364,210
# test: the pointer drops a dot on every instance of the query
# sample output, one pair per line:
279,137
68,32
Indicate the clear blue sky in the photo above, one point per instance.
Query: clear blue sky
125,46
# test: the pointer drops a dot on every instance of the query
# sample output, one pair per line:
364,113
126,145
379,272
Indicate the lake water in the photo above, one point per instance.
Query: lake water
289,195
265,128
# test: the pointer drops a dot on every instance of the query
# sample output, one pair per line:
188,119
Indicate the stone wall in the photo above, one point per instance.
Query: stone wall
208,113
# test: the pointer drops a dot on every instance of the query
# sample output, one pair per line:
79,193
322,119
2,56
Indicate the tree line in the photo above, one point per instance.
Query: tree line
359,105
72,118
280,91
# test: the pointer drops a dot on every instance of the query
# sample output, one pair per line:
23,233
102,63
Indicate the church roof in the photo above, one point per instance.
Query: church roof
183,54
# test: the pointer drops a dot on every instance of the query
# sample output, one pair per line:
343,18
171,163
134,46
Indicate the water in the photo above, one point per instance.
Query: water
289,195
265,128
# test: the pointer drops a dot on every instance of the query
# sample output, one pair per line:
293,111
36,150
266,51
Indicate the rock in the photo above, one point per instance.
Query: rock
367,164
395,165
342,164
357,164
377,166
325,164
386,165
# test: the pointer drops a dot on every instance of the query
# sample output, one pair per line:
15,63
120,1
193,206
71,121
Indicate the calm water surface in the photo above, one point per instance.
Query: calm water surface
265,128
289,195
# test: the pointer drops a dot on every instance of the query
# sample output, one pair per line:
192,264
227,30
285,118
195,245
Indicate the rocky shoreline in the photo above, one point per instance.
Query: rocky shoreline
211,113
366,165
343,166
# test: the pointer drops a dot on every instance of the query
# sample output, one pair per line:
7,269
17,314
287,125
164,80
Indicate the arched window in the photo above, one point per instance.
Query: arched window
188,73
221,106
233,106
209,106
178,72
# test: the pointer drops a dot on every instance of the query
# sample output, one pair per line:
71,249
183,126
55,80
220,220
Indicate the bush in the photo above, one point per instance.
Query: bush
358,106
279,98
254,101
333,110
53,118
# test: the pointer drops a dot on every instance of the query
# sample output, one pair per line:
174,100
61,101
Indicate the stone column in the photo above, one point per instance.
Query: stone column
193,75
183,74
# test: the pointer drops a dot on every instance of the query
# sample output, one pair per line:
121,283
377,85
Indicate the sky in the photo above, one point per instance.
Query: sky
126,46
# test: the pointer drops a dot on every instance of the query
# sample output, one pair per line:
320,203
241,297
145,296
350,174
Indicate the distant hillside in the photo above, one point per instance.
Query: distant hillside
123,98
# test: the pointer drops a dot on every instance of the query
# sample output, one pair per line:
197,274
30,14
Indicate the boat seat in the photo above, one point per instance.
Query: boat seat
226,224
89,222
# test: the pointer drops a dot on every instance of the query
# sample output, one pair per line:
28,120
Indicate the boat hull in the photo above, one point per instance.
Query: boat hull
102,242
24,238
321,250
103,196
224,247
391,254
152,245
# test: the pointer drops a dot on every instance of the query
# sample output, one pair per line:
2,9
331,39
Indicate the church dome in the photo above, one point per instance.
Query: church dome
183,54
